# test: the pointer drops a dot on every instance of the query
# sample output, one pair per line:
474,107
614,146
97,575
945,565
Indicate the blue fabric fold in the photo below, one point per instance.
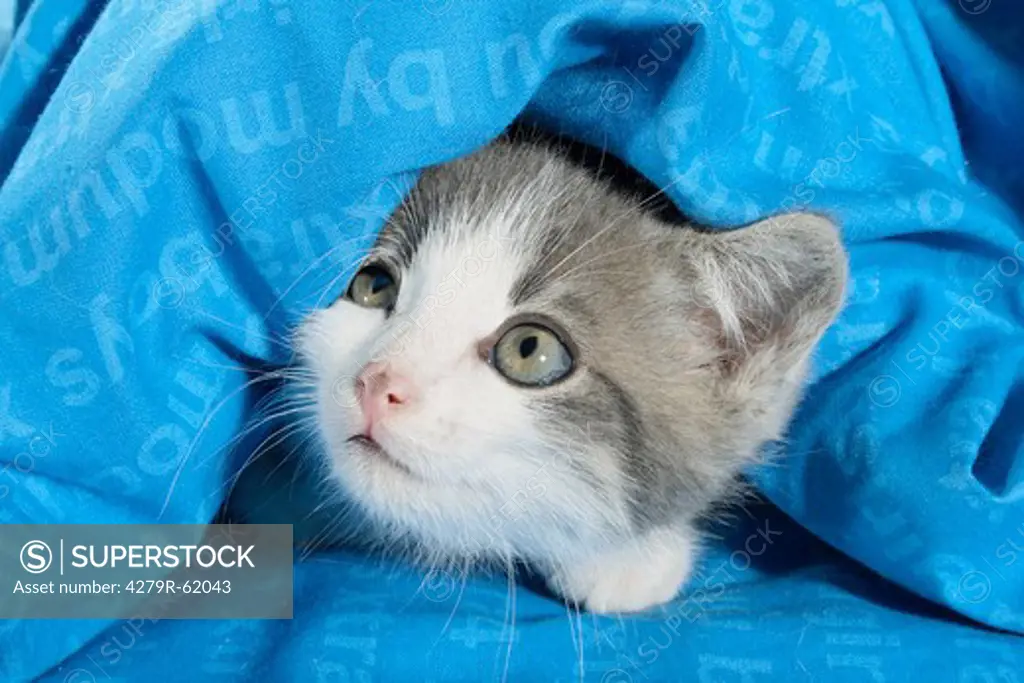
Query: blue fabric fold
182,181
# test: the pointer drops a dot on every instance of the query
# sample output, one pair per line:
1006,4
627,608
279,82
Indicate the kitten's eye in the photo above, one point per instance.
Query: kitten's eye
373,287
532,355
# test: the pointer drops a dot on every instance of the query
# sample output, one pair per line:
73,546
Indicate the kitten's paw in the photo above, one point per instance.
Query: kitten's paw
632,578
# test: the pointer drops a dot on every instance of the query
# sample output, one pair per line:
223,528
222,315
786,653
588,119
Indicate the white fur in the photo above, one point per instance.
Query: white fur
630,577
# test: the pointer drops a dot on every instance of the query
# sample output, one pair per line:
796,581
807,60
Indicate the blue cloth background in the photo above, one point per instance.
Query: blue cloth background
269,137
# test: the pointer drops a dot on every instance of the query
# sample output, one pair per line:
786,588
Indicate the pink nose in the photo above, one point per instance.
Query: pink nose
380,391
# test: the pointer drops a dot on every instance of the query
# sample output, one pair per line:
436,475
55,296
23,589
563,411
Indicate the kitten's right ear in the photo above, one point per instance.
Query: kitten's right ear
772,287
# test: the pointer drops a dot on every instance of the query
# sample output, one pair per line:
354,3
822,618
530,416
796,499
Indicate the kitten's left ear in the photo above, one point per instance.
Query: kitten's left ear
774,286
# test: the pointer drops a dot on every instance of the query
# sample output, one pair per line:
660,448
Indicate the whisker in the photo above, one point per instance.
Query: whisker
292,452
579,634
264,419
641,244
572,635
267,377
248,331
510,571
323,536
281,434
458,601
309,268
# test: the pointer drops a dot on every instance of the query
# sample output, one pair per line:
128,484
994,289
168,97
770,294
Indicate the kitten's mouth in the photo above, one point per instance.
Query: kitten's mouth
376,450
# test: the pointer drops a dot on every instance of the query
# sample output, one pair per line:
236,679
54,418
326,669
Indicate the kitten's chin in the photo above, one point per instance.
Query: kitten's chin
374,455
444,517
373,476
385,485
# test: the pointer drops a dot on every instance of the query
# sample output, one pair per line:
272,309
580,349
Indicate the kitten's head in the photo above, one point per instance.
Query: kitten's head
539,365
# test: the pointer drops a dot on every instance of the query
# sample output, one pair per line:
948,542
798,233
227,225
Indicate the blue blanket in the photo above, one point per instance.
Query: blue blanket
183,179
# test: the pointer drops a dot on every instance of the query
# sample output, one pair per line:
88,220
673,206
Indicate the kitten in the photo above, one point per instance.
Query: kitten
530,367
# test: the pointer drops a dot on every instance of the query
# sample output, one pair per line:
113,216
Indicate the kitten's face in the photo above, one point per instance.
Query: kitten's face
540,367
